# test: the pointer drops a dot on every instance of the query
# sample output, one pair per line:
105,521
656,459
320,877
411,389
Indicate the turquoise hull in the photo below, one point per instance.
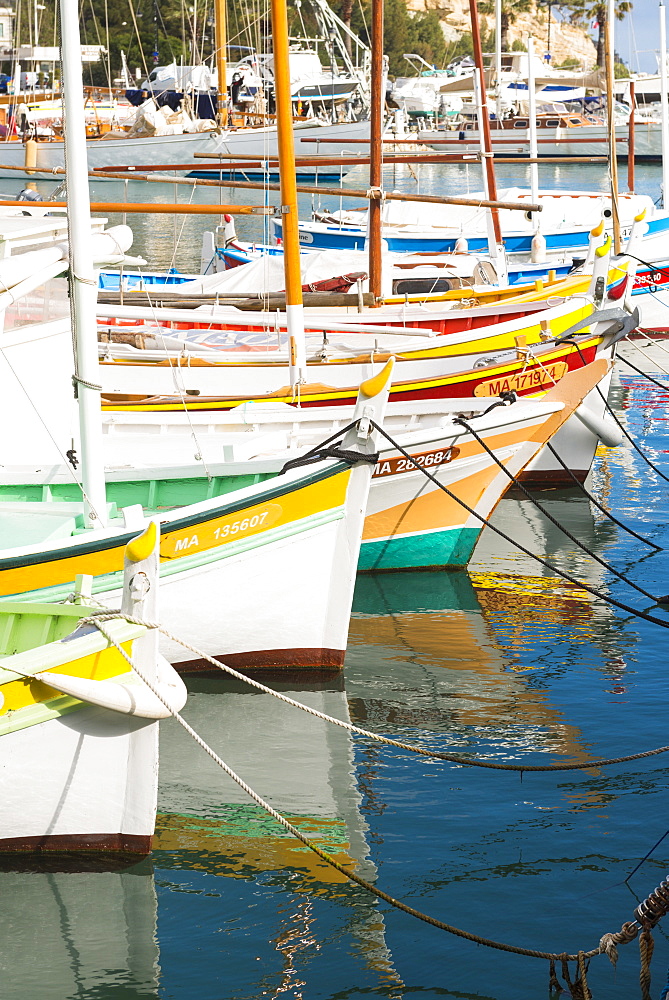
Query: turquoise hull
448,549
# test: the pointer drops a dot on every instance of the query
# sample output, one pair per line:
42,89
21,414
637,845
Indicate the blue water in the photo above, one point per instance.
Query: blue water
504,661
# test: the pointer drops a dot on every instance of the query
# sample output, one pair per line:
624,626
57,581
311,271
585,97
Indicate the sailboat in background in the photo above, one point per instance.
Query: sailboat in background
157,135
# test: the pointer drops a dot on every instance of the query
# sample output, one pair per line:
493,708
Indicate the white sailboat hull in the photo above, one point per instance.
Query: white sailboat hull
184,149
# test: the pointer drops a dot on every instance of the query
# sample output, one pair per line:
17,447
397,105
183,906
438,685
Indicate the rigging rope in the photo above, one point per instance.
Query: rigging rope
621,425
507,538
597,504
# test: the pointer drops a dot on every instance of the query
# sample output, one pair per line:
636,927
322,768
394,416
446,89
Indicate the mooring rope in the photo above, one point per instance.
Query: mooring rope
647,914
526,493
598,505
507,538
622,427
645,374
452,758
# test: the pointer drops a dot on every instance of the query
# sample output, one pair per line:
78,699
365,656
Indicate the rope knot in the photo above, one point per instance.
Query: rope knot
608,943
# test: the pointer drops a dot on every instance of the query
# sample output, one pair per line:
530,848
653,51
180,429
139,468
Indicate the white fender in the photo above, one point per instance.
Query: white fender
538,248
128,699
604,427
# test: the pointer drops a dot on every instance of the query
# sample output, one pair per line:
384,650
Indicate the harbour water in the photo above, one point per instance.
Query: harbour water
176,241
505,662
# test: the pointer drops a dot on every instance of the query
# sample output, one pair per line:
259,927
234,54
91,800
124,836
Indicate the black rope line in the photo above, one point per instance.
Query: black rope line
516,482
507,538
645,857
599,505
652,267
347,455
621,425
645,374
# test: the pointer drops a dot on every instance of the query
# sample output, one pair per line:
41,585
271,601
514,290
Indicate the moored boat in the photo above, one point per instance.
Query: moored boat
78,723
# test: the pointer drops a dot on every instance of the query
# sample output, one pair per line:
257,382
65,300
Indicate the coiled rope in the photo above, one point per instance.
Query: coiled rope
657,904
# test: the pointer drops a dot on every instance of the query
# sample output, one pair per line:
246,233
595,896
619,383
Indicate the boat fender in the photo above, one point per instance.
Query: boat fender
30,154
538,248
127,698
604,427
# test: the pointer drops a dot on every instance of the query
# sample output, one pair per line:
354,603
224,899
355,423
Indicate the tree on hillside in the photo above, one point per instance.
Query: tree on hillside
403,32
595,13
510,11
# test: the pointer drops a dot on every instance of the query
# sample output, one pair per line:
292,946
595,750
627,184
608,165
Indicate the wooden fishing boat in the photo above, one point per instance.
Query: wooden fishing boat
410,522
78,724
567,218
223,556
213,360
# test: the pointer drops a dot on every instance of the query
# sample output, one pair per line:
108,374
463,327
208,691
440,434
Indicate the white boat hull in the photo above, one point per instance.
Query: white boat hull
183,149
88,782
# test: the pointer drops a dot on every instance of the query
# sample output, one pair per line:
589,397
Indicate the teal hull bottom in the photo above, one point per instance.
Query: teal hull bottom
449,549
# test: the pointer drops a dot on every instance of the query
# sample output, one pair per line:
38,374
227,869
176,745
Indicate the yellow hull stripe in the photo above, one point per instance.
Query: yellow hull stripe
206,533
397,388
99,666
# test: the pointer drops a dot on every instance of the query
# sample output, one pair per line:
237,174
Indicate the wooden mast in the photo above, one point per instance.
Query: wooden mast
376,153
613,165
220,36
289,214
485,118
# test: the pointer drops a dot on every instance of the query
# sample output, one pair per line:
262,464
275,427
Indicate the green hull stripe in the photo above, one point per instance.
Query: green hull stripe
271,492
182,564
444,549
35,715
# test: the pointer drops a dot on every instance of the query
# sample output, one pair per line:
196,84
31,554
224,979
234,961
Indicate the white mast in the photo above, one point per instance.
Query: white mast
665,107
532,101
498,58
83,280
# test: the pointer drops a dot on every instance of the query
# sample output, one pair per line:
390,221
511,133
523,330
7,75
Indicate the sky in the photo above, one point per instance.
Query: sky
637,37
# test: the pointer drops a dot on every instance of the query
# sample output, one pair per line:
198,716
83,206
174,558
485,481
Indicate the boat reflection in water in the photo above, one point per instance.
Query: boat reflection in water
79,934
208,826
473,654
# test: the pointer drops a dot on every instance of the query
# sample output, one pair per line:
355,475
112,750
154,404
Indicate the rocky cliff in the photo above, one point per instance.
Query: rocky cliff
567,41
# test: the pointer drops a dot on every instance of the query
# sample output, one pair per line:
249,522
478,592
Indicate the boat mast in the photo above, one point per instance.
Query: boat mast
491,182
82,276
664,105
498,58
613,158
221,40
376,153
532,109
289,216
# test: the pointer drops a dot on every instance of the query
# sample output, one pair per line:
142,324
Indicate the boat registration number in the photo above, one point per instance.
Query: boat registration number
221,530
426,460
535,378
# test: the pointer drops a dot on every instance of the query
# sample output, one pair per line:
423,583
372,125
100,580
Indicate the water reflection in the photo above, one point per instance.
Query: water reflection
208,824
439,666
78,934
